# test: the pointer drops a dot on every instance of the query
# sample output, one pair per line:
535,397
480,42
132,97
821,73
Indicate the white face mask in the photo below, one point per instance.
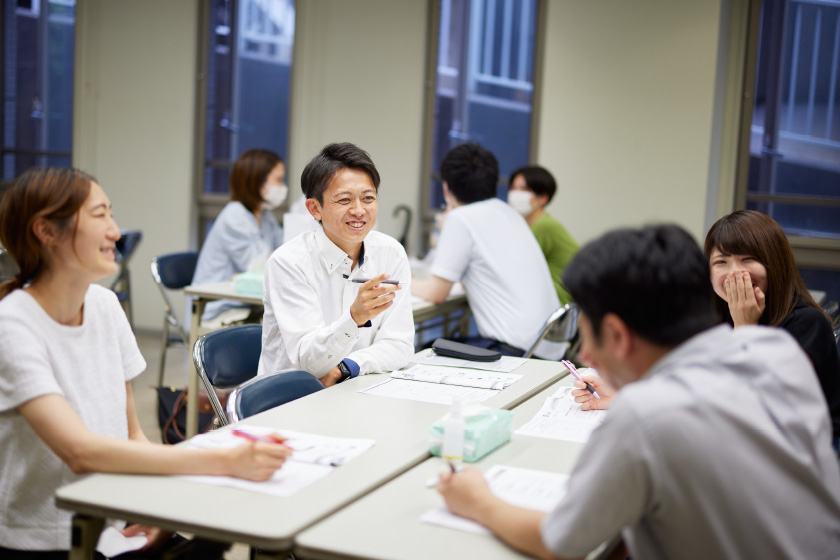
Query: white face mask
521,201
275,196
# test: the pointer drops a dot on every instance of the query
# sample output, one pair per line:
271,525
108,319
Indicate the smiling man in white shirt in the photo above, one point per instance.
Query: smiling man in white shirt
318,316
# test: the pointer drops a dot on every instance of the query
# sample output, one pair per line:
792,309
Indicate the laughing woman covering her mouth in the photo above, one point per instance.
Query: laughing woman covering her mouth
67,356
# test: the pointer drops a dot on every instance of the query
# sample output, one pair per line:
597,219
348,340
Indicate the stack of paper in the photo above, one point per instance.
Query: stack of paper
526,488
441,385
561,418
313,457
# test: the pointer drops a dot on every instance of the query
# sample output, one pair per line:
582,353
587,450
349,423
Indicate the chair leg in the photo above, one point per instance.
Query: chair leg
163,352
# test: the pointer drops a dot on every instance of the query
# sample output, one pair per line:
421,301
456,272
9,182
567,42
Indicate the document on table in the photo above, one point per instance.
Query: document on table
527,488
461,377
561,418
313,457
429,392
505,364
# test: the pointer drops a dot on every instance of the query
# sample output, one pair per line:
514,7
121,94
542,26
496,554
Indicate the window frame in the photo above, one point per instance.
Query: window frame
209,206
427,215
811,252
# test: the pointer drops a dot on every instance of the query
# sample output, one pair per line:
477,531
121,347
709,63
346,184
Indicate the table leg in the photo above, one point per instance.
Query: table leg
85,535
192,376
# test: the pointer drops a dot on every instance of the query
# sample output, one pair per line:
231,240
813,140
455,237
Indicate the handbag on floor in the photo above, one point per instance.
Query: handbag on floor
172,413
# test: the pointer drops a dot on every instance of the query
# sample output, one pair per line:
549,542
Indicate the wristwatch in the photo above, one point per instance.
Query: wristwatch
345,372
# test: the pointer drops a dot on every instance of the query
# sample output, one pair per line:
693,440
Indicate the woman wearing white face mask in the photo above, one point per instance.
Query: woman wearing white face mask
246,232
531,189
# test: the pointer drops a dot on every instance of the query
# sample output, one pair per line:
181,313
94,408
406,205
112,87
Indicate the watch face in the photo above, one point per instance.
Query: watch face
345,371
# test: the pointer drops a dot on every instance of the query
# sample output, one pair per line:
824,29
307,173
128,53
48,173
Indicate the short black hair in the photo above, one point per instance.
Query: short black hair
656,279
332,159
471,173
538,179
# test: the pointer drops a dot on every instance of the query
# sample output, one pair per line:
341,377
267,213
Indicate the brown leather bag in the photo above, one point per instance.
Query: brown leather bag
172,412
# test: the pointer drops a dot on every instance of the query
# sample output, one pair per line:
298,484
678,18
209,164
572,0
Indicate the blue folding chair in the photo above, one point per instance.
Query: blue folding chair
126,244
173,271
230,358
268,391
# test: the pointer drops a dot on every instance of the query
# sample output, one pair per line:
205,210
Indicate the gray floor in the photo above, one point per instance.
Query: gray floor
177,361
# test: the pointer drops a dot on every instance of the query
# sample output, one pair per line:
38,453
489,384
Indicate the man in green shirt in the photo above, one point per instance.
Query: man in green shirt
531,189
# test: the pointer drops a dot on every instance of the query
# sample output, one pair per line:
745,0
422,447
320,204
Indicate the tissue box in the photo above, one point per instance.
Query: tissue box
249,283
485,429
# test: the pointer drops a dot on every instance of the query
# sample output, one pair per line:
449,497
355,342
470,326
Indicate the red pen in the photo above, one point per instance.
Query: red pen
571,367
252,437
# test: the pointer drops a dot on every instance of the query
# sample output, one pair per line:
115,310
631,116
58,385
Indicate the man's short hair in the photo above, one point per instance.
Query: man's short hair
471,173
332,159
538,180
655,279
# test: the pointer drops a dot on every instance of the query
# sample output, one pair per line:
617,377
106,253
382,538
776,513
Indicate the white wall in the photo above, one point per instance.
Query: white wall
358,77
134,123
628,110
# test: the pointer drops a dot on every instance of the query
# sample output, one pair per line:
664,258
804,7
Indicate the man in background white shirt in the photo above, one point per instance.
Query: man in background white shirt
316,317
486,245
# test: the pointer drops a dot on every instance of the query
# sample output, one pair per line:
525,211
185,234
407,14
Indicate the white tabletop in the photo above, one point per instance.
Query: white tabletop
227,514
386,524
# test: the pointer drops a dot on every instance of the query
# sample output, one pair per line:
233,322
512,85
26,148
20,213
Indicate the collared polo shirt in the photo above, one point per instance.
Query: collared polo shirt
722,450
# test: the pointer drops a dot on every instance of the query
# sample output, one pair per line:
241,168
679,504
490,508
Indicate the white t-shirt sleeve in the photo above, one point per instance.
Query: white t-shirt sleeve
454,250
610,488
25,371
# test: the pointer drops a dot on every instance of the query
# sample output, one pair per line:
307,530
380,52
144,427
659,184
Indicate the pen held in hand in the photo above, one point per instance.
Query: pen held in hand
252,437
363,280
573,370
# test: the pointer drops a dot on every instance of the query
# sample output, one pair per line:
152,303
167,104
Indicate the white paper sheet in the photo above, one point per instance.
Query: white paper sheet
561,418
460,377
505,364
313,458
307,448
113,543
428,392
527,488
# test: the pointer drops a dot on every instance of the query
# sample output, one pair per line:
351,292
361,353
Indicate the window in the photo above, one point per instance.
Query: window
247,63
37,83
484,84
792,170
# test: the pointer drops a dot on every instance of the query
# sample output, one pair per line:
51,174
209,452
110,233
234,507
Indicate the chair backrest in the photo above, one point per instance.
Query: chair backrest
560,327
127,243
227,358
268,391
174,271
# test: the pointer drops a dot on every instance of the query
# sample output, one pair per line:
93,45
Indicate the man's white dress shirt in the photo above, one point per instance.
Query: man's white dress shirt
307,296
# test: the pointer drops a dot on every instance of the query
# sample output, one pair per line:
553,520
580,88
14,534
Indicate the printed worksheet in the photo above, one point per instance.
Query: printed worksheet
505,364
561,418
313,457
527,488
462,377
429,392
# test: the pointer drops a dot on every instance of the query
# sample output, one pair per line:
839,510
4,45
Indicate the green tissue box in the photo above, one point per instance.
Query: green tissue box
485,429
249,283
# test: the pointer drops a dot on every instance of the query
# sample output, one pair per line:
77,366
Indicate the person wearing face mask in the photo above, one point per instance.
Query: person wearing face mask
531,189
245,233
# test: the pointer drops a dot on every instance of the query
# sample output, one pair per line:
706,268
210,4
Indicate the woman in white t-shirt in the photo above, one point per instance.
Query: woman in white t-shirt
67,355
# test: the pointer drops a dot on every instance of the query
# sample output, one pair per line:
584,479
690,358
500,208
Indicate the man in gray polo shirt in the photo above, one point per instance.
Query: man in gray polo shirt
718,442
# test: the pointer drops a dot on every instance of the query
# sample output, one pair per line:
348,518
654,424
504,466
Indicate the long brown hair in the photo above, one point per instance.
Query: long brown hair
747,232
54,194
249,173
